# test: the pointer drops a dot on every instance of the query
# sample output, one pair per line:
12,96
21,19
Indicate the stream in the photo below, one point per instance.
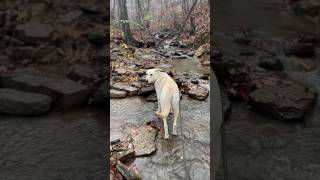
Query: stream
260,147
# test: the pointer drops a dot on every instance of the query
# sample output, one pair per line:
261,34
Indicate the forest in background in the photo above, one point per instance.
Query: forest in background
144,22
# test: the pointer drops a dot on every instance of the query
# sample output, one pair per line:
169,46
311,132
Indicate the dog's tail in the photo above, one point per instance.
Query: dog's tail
165,112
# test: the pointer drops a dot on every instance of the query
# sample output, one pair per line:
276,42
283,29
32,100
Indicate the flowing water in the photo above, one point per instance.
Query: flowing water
69,145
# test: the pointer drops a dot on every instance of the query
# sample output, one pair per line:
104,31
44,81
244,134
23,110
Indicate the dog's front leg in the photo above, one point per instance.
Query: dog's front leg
165,126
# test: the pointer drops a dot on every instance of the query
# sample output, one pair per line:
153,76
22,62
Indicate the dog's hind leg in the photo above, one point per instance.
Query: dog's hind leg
176,111
165,126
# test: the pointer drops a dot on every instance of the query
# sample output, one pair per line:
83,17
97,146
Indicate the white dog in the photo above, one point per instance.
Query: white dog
168,96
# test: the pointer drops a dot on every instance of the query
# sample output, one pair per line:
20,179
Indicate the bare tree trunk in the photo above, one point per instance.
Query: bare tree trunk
129,39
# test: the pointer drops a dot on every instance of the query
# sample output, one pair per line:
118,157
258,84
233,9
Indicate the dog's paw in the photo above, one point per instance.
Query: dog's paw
166,136
174,132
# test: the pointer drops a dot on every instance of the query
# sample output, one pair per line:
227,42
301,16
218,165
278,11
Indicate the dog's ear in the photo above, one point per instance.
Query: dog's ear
157,70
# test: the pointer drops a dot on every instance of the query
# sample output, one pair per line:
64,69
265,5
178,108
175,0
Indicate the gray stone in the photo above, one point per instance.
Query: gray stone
116,94
285,102
71,16
144,138
65,92
131,91
20,103
271,63
300,49
128,171
152,98
32,32
198,92
147,90
126,156
121,71
82,72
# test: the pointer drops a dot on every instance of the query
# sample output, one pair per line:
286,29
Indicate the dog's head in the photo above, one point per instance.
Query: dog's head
152,75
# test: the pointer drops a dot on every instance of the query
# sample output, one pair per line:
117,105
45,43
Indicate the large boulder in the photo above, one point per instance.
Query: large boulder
20,103
65,92
285,102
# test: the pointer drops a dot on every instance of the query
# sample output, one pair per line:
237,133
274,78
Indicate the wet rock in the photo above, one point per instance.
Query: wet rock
144,139
19,54
116,94
179,57
65,92
145,91
21,103
89,8
194,81
285,102
97,38
271,63
121,71
83,73
241,38
126,156
71,16
198,92
128,172
33,32
300,49
191,53
152,98
181,44
131,91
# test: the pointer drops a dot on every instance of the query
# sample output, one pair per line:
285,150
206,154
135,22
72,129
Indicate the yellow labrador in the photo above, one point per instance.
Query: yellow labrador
167,95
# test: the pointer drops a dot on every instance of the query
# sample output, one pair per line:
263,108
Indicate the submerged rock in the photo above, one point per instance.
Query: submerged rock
144,139
285,102
21,103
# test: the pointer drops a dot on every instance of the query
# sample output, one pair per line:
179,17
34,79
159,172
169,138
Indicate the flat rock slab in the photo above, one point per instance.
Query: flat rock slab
285,102
20,103
32,32
116,94
198,92
131,91
144,139
65,92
